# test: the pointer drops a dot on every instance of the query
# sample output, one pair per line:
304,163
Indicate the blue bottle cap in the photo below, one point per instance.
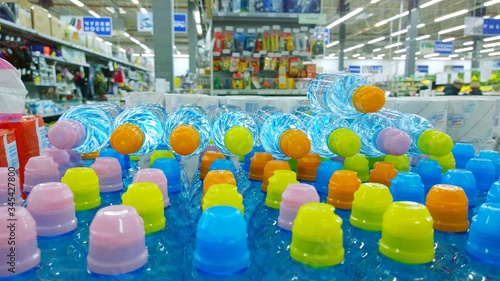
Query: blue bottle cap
429,171
221,242
484,241
248,157
325,172
220,164
124,161
462,152
494,193
170,167
464,179
484,172
163,146
407,186
494,157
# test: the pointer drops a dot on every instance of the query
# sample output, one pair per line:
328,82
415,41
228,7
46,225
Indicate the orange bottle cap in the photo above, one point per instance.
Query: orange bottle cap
341,188
206,161
127,138
448,205
368,99
257,164
383,172
92,155
218,177
307,167
269,169
295,144
184,139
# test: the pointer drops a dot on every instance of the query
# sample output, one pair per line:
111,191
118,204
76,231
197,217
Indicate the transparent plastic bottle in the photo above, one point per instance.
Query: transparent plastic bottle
140,129
254,196
188,130
84,128
260,115
348,95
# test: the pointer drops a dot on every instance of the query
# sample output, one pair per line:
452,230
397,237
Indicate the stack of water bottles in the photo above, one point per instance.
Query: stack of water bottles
322,193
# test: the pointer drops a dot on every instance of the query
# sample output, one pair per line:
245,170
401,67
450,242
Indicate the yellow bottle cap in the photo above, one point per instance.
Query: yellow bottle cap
135,158
317,236
307,167
359,164
370,202
341,188
344,142
295,144
368,99
127,138
448,205
223,195
206,161
383,172
270,168
147,199
184,139
434,142
92,155
157,154
84,183
277,185
238,140
257,164
218,177
401,163
407,234
446,162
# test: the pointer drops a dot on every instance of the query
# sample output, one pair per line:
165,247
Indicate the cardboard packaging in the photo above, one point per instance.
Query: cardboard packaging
40,20
56,28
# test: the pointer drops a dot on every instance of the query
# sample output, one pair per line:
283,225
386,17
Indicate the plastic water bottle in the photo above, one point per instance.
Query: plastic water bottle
348,95
494,193
484,173
407,186
140,129
494,157
465,180
316,250
254,195
40,169
482,248
283,135
132,171
188,130
88,159
341,188
52,207
110,180
260,115
60,156
84,128
463,152
247,159
10,188
325,172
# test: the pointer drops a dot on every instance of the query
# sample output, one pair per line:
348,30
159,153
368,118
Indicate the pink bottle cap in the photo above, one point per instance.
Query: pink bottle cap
66,134
294,196
157,177
117,243
393,141
4,188
51,205
40,169
27,254
109,171
60,156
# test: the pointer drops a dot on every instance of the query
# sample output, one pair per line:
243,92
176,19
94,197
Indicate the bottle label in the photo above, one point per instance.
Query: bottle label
11,152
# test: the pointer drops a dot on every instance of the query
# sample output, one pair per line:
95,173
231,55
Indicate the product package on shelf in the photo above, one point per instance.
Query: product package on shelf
432,109
133,99
8,149
209,103
470,119
12,92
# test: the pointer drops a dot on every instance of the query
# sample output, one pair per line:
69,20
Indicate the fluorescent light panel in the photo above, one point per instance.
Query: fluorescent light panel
122,11
452,15
448,39
135,2
483,51
427,4
393,45
468,43
197,17
332,44
143,10
491,45
199,29
400,51
494,54
135,40
122,50
453,56
431,55
445,58
444,31
355,55
361,58
464,50
94,14
376,50
78,3
354,47
399,32
423,37
491,38
492,2
99,39
126,34
376,40
420,25
110,9
344,18
108,43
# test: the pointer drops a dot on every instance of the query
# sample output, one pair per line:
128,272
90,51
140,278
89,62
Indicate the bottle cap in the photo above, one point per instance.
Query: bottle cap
40,169
373,160
84,183
147,199
5,184
221,229
90,156
127,138
463,152
223,195
448,206
317,236
383,172
209,147
368,99
341,188
447,162
60,156
494,193
436,143
248,157
407,234
109,171
157,177
270,168
116,241
307,167
407,186
401,163
135,158
75,159
484,241
157,154
277,185
124,160
238,140
483,171
184,139
393,141
27,254
170,167
293,164
429,171
463,179
67,134
325,172
218,177
295,144
257,164
222,164
494,156
206,161
344,142
294,196
51,205
370,202
359,164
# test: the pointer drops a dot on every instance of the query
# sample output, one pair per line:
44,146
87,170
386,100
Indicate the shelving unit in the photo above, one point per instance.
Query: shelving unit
260,92
62,60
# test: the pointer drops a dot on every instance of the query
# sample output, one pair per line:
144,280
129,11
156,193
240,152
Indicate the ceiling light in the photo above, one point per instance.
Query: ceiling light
122,11
444,31
448,39
361,58
199,29
445,58
464,50
377,58
398,58
148,55
452,15
432,2
420,25
78,3
355,55
494,54
491,38
486,17
374,1
423,37
108,43
491,45
492,2
135,40
94,14
376,40
431,55
332,44
400,51
126,34
179,53
136,55
110,9
417,53
344,18
376,50
453,56
399,32
380,23
462,58
354,47
405,13
143,10
49,15
393,45
197,17
122,50
135,2
486,50
144,46
381,55
468,43
99,39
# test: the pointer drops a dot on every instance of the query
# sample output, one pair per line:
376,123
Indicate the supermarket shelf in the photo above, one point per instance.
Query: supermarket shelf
56,85
61,60
28,33
260,92
245,17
